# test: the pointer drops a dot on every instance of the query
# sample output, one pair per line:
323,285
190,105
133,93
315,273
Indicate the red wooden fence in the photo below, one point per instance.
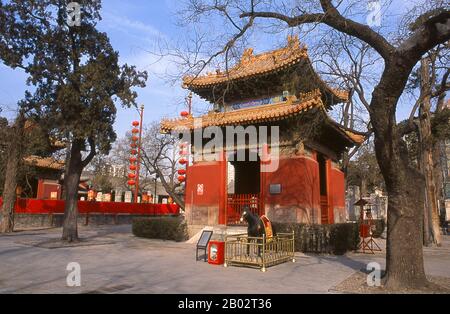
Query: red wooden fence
35,206
236,204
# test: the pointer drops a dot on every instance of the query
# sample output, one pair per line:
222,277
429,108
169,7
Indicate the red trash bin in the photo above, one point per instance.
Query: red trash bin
216,252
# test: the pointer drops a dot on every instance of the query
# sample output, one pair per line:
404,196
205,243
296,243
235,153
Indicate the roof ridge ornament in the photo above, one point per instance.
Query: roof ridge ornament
247,56
293,41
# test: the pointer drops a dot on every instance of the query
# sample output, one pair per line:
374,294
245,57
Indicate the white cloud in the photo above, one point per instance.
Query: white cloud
130,26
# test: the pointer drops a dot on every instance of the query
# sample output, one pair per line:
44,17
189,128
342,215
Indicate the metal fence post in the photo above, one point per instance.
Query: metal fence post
263,269
293,246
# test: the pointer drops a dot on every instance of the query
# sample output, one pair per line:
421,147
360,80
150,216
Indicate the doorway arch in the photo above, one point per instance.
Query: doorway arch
244,186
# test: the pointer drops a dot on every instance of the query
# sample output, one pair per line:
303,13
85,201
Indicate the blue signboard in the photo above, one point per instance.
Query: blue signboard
257,102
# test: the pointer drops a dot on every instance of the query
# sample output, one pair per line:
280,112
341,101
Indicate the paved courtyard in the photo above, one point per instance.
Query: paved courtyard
117,262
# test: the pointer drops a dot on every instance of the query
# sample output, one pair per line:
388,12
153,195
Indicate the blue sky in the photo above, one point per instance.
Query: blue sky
134,28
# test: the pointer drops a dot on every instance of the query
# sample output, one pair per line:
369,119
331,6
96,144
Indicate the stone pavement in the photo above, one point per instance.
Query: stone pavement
117,262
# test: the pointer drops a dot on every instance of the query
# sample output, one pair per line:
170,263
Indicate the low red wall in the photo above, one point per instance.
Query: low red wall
34,206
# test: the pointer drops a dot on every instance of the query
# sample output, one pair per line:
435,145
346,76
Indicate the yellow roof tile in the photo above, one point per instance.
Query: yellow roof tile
357,138
258,114
44,162
252,65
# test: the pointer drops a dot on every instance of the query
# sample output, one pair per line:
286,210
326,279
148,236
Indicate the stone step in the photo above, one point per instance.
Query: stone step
219,232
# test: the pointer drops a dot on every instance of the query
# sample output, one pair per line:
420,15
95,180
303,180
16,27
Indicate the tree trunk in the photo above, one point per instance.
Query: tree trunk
404,256
12,167
170,190
71,182
438,153
431,217
438,174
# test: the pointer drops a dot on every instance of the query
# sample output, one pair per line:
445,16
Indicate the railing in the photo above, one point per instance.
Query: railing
259,252
236,203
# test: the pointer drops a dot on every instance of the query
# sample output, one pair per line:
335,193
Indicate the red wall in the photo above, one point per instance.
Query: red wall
45,188
299,179
212,175
300,191
337,191
208,174
34,206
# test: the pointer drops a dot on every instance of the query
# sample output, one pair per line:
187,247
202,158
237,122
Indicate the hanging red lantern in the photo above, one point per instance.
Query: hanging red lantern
184,114
131,182
181,178
182,161
135,123
133,145
133,167
135,131
133,160
181,172
131,176
133,152
134,138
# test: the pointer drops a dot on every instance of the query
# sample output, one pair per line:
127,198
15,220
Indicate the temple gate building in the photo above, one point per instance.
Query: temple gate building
296,178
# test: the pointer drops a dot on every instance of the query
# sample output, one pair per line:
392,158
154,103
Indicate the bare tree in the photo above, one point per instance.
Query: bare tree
431,80
431,27
351,62
363,169
160,158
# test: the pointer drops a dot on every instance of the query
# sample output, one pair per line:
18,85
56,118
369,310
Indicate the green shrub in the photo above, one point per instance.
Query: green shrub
332,239
165,228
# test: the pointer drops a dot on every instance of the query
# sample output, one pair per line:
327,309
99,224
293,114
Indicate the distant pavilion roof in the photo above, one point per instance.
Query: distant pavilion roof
31,126
272,112
44,162
255,65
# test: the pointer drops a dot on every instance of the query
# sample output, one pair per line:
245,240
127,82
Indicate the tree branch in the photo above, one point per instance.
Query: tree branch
92,153
427,34
334,19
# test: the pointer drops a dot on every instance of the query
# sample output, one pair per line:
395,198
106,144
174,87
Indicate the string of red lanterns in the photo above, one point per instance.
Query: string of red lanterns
184,151
133,152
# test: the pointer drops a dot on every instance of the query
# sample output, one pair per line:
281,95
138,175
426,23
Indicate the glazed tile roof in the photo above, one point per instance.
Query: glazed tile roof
30,126
355,137
271,112
252,65
259,114
44,162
